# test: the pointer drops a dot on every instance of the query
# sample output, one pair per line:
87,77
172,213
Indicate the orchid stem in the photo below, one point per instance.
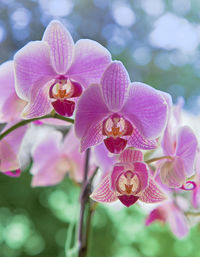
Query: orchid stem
84,200
189,213
24,122
158,158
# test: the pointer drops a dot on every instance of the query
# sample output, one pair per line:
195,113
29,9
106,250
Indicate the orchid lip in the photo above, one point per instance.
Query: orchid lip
62,90
128,183
189,186
128,200
115,127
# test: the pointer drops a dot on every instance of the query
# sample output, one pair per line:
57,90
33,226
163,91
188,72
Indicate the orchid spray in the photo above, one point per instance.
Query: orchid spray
128,144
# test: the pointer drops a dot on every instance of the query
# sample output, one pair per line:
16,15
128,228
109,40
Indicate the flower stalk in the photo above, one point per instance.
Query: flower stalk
25,122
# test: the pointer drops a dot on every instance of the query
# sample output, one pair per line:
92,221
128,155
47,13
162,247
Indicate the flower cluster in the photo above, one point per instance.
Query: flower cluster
55,78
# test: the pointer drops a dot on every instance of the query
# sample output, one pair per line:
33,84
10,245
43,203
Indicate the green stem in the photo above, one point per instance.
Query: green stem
159,158
195,214
82,252
24,122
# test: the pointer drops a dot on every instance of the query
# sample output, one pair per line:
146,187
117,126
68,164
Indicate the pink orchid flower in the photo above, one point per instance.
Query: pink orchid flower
181,148
129,181
121,112
53,72
196,191
11,105
54,158
9,151
171,214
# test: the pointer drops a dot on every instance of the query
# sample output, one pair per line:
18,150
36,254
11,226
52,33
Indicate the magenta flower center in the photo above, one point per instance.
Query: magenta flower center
128,183
60,92
62,89
115,127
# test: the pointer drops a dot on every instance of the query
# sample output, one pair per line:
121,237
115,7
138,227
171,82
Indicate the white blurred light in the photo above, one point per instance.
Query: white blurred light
153,7
142,55
162,61
173,32
21,18
178,59
181,6
57,8
123,14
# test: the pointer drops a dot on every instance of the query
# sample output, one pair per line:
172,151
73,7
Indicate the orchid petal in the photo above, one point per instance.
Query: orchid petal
41,153
147,109
130,155
140,169
14,174
115,82
138,141
49,167
76,159
52,173
103,192
61,46
172,173
168,142
152,194
64,107
92,137
90,61
33,68
91,110
128,200
102,158
117,171
196,197
39,104
9,149
177,222
11,105
186,148
157,214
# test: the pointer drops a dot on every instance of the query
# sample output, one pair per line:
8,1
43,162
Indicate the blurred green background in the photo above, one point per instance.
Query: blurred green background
158,42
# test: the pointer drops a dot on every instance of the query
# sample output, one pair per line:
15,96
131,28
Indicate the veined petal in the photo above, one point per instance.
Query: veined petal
103,192
139,141
61,46
115,82
152,194
33,68
89,62
147,109
141,171
39,104
186,148
91,110
92,137
130,155
172,173
117,171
